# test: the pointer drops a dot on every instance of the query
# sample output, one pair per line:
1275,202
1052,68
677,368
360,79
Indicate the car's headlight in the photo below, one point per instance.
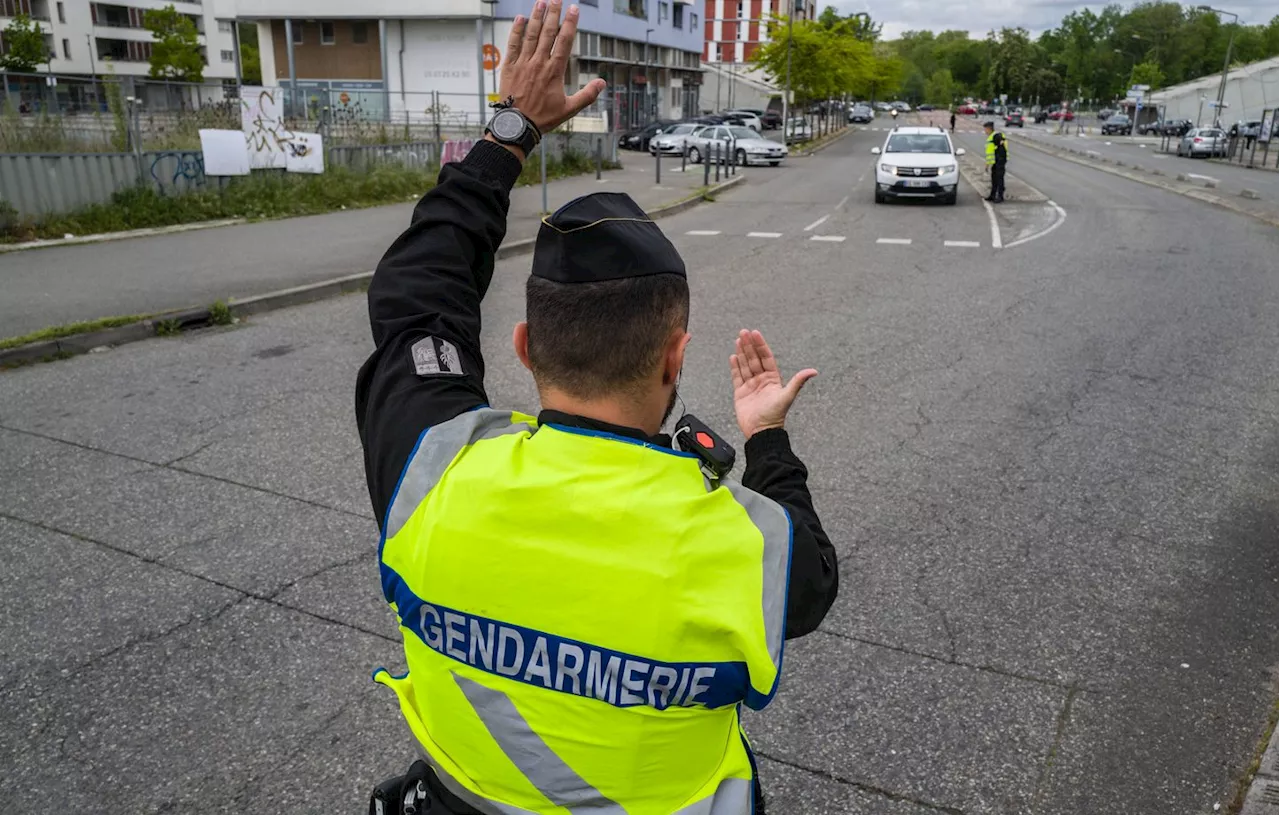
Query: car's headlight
950,168
888,168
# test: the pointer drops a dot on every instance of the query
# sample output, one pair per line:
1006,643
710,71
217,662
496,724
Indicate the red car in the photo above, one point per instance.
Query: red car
1058,114
966,110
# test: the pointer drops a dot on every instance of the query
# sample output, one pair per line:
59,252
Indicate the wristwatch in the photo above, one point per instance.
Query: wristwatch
510,126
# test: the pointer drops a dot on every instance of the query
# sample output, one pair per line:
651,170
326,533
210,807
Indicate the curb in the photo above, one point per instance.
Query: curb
824,145
1265,788
1196,194
103,237
295,296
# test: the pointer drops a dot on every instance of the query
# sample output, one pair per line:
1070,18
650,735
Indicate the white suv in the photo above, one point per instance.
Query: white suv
917,162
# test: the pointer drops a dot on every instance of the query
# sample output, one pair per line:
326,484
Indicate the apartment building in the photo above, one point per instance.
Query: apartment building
736,28
82,36
407,55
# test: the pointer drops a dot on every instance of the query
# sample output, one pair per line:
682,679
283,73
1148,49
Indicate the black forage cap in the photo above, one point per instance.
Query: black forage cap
603,236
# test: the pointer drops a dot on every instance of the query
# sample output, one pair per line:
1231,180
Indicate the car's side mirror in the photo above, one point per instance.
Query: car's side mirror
959,151
875,151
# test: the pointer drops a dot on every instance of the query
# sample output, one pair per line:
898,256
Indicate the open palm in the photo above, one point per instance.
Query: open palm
760,400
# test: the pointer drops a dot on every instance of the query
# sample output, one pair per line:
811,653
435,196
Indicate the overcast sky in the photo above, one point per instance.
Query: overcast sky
979,16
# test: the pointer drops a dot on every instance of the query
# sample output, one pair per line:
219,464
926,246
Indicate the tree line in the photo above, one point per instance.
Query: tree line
1091,56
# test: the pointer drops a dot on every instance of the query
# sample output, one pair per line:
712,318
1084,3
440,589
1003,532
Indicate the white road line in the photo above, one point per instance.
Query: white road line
764,234
995,227
830,238
817,223
1062,217
845,200
703,232
895,241
965,244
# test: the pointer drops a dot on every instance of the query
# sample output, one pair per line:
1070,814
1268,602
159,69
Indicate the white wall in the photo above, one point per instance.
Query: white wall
1246,96
443,56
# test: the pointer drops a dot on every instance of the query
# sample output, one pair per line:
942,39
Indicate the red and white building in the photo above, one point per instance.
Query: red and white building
735,28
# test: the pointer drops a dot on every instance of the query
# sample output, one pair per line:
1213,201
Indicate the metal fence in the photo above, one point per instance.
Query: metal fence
49,113
39,184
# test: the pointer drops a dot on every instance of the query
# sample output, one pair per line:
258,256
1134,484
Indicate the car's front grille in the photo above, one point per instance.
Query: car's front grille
918,172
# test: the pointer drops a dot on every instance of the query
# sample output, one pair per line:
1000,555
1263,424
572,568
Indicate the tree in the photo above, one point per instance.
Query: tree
825,61
1147,73
940,88
250,57
25,41
176,51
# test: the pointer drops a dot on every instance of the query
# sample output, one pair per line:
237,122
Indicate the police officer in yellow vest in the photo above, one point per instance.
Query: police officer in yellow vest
997,157
584,609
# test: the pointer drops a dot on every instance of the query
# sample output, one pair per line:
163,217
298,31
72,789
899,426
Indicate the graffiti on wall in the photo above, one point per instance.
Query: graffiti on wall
456,150
178,171
264,129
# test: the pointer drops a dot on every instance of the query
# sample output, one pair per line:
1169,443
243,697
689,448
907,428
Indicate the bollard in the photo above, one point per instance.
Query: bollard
599,158
733,158
684,156
657,165
706,170
716,146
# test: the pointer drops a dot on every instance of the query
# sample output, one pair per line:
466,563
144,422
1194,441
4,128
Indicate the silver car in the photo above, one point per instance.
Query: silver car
741,145
1203,141
674,140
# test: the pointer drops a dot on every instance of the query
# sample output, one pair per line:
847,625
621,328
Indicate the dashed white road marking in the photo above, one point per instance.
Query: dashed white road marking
703,232
817,223
895,241
844,200
764,234
995,227
965,244
829,238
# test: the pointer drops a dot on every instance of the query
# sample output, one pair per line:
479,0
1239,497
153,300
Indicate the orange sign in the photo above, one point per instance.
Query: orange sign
492,57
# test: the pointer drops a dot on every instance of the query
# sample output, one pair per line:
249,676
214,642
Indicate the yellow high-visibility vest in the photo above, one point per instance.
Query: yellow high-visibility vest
582,615
991,147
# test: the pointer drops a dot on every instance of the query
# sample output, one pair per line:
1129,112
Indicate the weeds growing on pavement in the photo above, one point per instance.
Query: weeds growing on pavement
59,331
220,314
265,194
168,328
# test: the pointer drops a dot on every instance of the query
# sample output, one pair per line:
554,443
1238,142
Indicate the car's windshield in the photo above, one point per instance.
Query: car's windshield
680,130
1119,119
917,143
742,133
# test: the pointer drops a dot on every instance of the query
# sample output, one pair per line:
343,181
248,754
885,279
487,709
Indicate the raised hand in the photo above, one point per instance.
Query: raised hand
760,400
533,71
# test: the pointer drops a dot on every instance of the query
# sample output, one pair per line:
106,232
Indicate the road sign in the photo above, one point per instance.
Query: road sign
492,56
1268,122
493,97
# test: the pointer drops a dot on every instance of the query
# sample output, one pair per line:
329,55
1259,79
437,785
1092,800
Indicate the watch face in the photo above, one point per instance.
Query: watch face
508,125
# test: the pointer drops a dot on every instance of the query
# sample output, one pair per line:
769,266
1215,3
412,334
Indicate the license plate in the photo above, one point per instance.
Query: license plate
916,183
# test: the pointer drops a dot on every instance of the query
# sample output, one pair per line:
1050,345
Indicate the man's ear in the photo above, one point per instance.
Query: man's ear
520,340
673,358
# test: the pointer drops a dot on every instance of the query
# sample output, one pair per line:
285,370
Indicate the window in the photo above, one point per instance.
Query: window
224,26
693,22
359,33
634,8
678,20
66,48
297,33
326,34
588,44
62,16
664,11
228,56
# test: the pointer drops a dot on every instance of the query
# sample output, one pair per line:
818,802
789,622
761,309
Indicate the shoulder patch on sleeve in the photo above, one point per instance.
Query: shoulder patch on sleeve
433,356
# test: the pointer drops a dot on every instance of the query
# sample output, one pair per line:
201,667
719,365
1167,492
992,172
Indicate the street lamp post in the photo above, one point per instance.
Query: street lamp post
786,93
1226,64
493,40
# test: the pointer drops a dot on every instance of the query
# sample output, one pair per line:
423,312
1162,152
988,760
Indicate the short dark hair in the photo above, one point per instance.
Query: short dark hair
595,339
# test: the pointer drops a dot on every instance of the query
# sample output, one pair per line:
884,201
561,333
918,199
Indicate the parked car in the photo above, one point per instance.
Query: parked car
745,118
966,110
674,140
798,129
926,107
638,139
1013,119
1060,115
1203,141
882,106
771,119
1118,125
1105,113
1153,128
742,145
902,106
1177,127
861,114
917,162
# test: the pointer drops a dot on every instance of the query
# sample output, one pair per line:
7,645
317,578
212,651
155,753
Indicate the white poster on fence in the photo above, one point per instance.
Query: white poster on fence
225,152
305,153
263,127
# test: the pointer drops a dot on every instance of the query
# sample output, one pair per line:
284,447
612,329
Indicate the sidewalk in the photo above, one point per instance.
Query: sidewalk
65,284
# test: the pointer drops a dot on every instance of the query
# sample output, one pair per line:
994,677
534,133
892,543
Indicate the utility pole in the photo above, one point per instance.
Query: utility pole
1226,64
786,94
648,91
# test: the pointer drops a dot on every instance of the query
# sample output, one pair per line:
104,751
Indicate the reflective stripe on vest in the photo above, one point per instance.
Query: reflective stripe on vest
558,588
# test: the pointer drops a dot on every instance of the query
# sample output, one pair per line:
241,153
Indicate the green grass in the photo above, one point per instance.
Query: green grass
59,331
220,314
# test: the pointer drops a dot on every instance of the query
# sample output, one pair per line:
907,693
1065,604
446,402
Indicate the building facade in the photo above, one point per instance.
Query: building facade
410,60
736,28
84,37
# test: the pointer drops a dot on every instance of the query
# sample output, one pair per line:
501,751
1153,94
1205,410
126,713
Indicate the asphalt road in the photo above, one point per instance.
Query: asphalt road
1049,469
